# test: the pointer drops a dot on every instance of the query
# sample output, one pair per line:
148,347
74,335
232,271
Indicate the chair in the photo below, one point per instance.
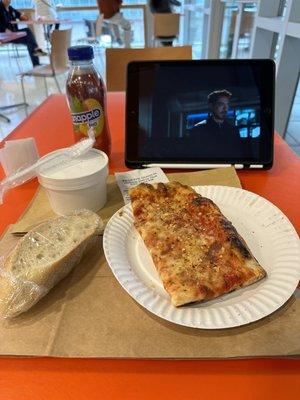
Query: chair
117,60
60,41
165,27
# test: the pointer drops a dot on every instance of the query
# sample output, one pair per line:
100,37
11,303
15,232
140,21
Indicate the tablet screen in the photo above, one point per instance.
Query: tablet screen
200,111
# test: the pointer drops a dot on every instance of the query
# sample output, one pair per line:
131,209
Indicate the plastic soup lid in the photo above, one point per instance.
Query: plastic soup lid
82,172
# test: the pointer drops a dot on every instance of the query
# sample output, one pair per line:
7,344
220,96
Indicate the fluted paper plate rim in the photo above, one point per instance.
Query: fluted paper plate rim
267,231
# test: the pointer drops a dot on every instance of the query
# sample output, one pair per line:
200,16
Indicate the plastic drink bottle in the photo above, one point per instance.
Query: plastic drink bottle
86,93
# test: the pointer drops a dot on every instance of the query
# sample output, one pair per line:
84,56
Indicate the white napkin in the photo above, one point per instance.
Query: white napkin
126,180
17,154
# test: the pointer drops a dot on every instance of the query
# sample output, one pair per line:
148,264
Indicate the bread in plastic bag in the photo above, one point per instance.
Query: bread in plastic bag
43,257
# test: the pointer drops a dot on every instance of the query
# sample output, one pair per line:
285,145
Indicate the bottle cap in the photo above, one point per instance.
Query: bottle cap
80,53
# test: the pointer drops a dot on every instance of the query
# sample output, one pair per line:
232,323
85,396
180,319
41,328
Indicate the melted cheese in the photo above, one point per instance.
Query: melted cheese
196,251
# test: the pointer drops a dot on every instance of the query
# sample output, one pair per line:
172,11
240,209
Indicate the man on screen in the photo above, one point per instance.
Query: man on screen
216,131
218,102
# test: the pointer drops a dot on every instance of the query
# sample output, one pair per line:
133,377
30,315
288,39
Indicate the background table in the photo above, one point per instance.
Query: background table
46,378
6,37
44,22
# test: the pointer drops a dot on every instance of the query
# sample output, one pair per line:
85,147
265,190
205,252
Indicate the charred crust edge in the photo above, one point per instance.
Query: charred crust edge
235,239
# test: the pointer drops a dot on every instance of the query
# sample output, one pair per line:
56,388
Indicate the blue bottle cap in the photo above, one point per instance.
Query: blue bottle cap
80,53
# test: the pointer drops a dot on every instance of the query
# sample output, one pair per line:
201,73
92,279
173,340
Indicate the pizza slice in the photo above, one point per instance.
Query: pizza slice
197,252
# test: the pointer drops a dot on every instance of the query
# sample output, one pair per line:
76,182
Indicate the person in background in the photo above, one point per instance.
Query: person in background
46,9
111,12
163,6
8,14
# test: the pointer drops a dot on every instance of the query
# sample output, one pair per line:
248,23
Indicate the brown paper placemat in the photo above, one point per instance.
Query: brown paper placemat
88,314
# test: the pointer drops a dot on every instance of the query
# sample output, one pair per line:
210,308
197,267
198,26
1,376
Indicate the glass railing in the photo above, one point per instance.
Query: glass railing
193,13
238,47
82,13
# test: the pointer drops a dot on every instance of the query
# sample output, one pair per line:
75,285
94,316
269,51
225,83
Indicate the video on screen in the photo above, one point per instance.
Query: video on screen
203,116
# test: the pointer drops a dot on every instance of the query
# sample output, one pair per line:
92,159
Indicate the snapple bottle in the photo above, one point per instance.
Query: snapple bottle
86,95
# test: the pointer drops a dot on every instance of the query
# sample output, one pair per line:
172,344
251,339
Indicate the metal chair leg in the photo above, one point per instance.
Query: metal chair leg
46,87
24,95
57,84
9,49
16,52
5,118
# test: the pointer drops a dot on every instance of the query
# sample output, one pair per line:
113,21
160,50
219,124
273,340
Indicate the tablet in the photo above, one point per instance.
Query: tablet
200,113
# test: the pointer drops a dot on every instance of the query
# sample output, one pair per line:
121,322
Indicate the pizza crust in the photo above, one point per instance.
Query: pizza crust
197,252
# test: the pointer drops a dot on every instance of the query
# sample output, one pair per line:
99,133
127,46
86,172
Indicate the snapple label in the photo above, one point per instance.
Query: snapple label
93,117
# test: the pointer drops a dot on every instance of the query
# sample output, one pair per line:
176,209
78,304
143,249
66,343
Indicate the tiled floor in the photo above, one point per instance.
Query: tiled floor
10,93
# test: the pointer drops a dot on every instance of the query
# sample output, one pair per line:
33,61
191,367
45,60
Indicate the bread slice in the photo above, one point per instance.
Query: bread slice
43,257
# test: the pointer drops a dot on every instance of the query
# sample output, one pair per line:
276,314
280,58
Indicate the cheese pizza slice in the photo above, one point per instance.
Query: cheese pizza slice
197,252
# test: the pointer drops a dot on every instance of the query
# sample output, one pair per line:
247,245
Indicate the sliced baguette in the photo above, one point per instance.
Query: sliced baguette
43,257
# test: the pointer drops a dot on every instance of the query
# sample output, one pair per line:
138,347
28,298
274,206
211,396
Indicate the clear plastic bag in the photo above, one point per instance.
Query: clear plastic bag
17,292
43,257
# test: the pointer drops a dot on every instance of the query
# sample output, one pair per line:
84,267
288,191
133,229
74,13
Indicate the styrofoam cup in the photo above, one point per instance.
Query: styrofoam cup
78,184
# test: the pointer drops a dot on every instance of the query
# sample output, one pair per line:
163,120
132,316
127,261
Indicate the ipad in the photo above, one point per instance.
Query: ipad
200,113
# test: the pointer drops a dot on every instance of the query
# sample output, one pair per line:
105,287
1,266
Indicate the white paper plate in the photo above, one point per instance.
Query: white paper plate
269,234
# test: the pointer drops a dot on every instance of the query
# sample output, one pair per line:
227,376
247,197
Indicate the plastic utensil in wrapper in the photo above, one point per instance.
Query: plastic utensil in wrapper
43,257
66,156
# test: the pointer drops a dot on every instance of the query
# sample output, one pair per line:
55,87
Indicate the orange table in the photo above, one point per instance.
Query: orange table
53,378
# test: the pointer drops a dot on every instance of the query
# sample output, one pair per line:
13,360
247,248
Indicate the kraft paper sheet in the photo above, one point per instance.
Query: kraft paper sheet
88,314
